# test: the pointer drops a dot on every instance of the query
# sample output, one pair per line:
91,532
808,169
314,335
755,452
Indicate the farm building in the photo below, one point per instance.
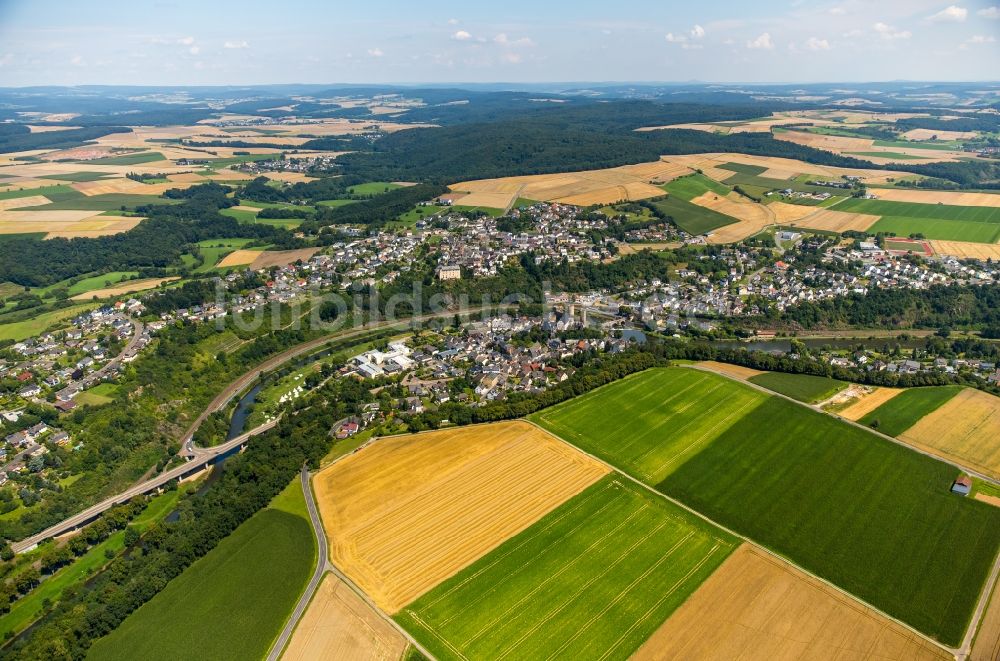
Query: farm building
962,485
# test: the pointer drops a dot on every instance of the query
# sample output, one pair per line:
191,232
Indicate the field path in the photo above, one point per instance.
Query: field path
323,565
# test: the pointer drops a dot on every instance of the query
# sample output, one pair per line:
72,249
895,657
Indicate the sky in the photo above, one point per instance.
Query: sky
222,42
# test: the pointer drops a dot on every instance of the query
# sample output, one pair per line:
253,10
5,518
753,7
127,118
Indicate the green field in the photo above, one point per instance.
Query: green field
128,159
373,188
240,215
908,407
650,423
231,603
758,185
743,168
106,202
47,191
20,330
934,221
803,387
592,579
78,176
334,203
415,214
690,217
100,281
896,156
871,516
923,144
689,187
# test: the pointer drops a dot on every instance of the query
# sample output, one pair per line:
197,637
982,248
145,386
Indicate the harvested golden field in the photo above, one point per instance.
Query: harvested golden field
407,512
339,624
290,177
986,646
927,134
786,166
632,248
938,197
282,257
483,199
126,186
759,607
835,221
628,182
19,202
48,129
735,371
986,498
186,177
836,143
735,206
966,249
124,288
785,212
239,258
869,402
965,429
64,223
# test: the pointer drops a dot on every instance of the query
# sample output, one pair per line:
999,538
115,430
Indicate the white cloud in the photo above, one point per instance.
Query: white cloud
950,14
815,43
159,41
511,58
889,32
675,38
452,21
990,12
763,42
461,35
375,52
697,32
240,43
77,61
194,50
6,59
851,34
981,39
185,41
838,11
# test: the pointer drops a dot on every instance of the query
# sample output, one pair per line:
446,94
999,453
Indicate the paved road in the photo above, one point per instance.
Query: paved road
322,566
152,484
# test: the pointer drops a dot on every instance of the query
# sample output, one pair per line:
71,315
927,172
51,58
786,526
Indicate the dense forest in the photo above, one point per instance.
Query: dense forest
952,306
18,137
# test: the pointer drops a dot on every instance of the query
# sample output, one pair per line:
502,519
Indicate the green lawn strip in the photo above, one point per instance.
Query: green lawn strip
871,516
803,387
692,218
938,228
689,187
334,203
743,168
127,159
232,602
489,211
26,610
592,579
908,407
78,176
373,188
47,191
918,210
923,144
661,418
524,202
896,156
100,281
241,215
758,185
106,202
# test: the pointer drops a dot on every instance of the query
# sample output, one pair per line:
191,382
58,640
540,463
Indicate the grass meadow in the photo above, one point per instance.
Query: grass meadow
231,603
905,409
947,222
803,387
592,579
692,218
